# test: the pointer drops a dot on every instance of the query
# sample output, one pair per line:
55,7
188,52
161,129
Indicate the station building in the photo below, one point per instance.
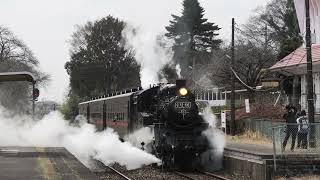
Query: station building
294,65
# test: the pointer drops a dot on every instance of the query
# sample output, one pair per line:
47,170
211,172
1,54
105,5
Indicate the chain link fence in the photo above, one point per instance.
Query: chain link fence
296,139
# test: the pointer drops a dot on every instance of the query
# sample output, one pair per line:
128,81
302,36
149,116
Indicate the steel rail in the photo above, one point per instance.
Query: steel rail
119,173
185,176
215,176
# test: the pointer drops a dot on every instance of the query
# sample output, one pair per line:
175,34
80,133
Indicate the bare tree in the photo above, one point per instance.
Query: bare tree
269,35
255,52
16,56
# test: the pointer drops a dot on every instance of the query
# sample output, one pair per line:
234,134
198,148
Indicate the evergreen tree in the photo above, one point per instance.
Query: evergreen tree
293,40
99,62
193,35
281,16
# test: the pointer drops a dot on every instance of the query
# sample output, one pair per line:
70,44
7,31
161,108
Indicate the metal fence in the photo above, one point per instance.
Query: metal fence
295,139
260,126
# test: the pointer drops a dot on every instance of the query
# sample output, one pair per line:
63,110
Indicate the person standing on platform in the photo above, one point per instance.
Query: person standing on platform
303,130
290,116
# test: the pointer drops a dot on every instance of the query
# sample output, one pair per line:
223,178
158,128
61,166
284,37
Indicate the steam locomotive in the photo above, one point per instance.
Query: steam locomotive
169,110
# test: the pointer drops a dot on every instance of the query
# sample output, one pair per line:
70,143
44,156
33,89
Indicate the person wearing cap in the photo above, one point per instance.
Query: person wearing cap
290,116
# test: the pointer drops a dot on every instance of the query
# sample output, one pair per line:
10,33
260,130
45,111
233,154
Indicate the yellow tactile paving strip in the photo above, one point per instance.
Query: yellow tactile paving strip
46,167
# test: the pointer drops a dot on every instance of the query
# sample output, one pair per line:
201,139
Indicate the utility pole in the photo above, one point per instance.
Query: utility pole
309,76
233,108
194,73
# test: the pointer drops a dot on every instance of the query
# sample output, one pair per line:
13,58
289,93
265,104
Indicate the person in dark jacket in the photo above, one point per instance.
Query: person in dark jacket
290,116
303,130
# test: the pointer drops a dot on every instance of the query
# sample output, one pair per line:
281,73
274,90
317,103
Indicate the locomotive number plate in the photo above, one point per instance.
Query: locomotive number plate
182,105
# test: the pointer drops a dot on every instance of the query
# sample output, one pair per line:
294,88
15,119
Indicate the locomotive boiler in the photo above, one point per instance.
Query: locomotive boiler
168,109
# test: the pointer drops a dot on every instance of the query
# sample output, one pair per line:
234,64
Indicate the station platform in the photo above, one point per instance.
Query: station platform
267,152
252,150
39,163
258,161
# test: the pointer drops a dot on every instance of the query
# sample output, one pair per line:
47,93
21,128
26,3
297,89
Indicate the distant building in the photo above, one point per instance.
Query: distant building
295,65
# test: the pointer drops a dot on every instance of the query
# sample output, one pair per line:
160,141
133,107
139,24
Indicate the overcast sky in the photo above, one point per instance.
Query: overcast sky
46,25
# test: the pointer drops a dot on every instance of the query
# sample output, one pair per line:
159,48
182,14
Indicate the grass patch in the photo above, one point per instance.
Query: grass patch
250,137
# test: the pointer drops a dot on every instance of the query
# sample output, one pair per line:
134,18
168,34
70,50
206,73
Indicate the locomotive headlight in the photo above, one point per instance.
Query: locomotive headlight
183,91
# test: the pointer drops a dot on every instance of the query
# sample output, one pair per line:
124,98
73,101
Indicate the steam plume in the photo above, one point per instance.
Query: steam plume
149,53
217,142
178,70
83,141
144,134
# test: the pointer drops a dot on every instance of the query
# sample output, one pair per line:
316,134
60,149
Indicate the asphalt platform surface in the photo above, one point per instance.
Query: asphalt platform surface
38,163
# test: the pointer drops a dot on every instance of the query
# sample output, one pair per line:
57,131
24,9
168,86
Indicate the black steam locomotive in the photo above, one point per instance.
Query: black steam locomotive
170,110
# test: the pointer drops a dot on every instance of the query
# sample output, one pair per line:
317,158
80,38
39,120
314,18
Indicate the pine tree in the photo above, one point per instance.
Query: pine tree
281,16
293,39
193,35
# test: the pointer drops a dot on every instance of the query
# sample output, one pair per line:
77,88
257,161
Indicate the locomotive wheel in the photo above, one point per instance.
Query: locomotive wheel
168,163
167,159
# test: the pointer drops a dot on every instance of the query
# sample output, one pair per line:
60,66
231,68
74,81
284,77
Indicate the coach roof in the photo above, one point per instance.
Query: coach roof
107,98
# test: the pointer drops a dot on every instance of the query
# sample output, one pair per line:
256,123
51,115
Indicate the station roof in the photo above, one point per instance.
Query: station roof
17,76
295,62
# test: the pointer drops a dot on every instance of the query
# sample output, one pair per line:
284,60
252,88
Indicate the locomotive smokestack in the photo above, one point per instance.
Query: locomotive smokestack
180,83
181,89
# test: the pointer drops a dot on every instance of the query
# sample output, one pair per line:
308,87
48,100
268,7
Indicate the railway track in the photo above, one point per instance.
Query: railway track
188,176
200,176
119,173
148,172
215,176
106,168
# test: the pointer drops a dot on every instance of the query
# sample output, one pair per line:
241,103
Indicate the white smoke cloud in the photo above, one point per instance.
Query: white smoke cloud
216,139
178,70
83,141
144,134
149,52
